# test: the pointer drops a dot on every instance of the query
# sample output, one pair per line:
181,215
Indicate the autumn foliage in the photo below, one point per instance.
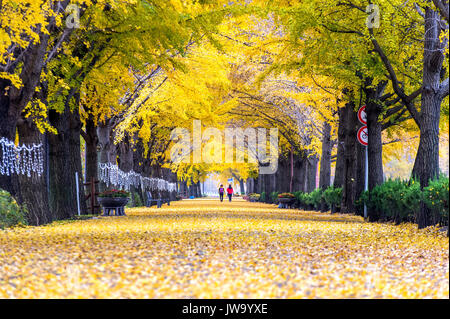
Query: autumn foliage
195,249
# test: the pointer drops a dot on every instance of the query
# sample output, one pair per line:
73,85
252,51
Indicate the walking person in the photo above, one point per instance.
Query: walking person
230,192
221,192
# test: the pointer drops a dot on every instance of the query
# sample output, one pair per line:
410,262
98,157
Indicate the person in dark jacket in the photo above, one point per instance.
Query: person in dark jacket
229,192
221,192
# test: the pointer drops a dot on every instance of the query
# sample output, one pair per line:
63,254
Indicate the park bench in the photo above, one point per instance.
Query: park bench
159,201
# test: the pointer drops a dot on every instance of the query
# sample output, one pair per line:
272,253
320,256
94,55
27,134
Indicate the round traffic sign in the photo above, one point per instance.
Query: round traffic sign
362,115
363,136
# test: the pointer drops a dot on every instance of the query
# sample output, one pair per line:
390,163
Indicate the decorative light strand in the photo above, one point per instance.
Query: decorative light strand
23,160
110,174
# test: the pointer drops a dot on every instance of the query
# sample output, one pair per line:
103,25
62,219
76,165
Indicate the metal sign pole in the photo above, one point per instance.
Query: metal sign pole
362,133
366,186
78,192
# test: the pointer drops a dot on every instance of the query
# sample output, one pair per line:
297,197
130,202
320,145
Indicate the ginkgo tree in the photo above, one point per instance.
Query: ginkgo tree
120,76
375,51
54,59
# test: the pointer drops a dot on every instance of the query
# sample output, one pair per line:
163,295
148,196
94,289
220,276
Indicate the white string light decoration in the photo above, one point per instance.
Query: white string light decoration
23,160
110,174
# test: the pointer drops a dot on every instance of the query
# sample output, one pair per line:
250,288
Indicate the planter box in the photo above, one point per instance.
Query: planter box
113,203
286,202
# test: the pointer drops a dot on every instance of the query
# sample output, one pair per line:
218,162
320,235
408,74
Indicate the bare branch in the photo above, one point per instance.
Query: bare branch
407,100
442,6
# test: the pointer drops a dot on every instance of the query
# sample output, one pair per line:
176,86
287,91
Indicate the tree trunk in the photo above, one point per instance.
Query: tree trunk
291,170
34,191
298,173
374,107
241,186
139,168
199,190
285,180
13,100
65,158
261,184
8,122
302,174
125,155
325,160
91,157
281,176
311,173
185,188
349,182
426,166
374,128
256,185
91,143
340,160
108,151
250,185
269,181
273,183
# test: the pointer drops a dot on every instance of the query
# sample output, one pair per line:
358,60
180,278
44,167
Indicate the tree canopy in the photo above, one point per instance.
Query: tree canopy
124,74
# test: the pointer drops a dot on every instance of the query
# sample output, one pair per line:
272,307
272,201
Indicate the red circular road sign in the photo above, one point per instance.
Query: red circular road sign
363,136
362,115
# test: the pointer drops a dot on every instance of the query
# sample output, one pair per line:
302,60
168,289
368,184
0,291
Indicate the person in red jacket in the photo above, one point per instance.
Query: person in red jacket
230,192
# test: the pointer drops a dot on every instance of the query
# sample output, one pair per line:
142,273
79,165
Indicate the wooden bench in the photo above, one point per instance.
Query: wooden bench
159,202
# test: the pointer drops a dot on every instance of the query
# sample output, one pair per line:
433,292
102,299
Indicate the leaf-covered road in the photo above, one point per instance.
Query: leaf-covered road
208,249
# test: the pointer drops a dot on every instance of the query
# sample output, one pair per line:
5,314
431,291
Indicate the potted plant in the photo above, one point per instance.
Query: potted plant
286,199
114,199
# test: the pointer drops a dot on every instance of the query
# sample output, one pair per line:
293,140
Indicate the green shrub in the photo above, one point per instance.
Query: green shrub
308,201
262,197
391,199
136,202
436,198
299,199
363,198
332,197
387,201
315,198
394,200
411,198
11,214
274,197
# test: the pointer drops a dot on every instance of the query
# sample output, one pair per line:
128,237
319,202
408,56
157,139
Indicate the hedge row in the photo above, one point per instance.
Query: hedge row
399,201
394,200
316,200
